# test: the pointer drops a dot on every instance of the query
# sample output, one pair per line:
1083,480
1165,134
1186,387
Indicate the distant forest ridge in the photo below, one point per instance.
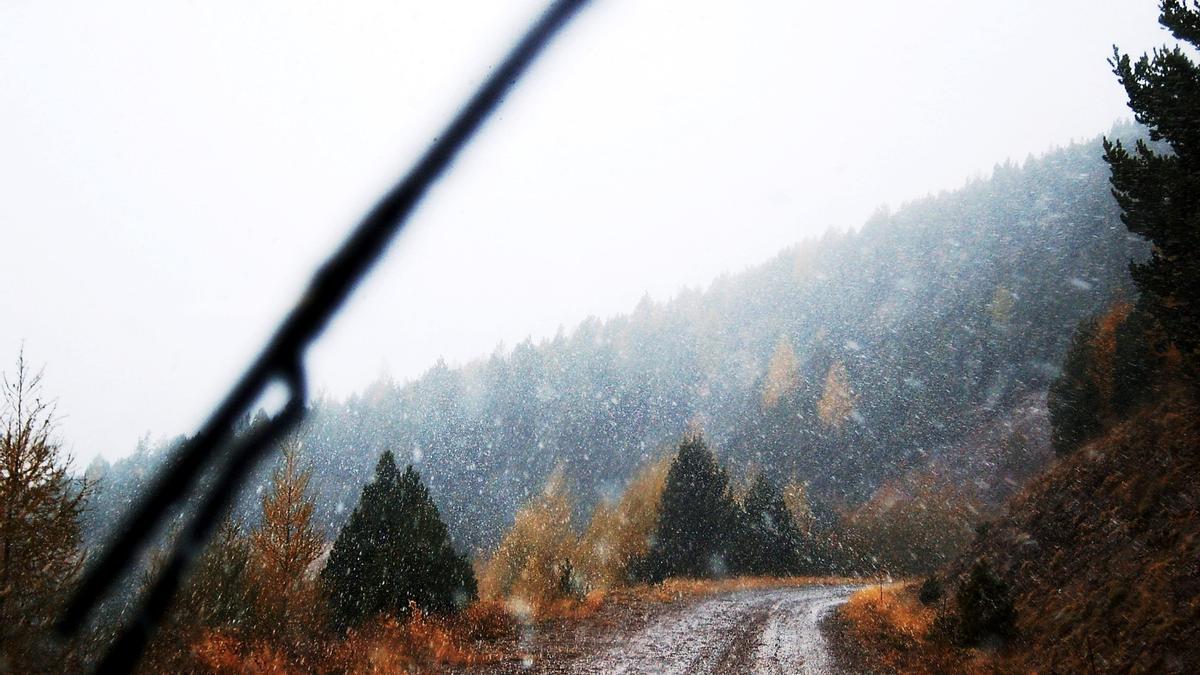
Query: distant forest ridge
846,361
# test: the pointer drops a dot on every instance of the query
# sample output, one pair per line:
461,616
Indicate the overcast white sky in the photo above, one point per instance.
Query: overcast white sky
171,171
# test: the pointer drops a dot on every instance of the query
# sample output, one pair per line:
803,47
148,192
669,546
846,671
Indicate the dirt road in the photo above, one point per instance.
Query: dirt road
752,631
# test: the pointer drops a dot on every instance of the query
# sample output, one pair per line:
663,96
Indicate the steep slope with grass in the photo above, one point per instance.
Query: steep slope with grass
1100,556
1102,553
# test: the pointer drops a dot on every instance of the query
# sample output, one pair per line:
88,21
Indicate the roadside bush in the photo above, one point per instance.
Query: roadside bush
985,609
931,591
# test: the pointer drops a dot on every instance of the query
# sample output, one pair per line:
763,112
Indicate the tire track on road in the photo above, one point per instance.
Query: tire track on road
752,631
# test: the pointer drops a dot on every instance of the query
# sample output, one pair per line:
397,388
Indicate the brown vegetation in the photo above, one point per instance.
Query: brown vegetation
417,643
619,534
1102,556
886,629
283,549
1102,367
528,566
40,540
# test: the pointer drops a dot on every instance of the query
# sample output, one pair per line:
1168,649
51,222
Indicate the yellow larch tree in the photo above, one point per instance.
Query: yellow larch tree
283,549
527,566
783,374
837,401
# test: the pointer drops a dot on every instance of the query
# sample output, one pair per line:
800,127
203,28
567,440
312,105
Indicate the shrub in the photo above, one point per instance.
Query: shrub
931,591
985,610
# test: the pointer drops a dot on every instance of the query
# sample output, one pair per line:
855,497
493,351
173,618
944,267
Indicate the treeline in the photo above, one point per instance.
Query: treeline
275,596
684,516
845,361
389,591
279,592
679,517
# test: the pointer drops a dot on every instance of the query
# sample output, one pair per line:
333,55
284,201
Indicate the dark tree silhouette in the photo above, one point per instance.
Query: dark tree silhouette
1159,192
697,519
772,542
395,550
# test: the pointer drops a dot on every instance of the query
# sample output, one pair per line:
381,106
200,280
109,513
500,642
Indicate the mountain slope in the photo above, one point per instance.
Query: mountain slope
1102,552
904,338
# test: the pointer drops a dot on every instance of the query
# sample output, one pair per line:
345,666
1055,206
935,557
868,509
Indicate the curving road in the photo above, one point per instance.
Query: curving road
753,631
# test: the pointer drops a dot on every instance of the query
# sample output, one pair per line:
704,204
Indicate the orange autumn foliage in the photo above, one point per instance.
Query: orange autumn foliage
1102,367
218,652
526,567
283,548
893,632
783,374
419,643
619,533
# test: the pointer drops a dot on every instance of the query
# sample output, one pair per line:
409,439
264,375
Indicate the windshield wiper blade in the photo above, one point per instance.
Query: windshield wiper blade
281,361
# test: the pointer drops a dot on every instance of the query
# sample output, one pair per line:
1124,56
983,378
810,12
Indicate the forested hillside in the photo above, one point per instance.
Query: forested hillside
845,361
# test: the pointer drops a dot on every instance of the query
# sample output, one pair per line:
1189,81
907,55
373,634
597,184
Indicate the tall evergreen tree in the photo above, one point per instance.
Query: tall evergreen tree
773,542
696,519
393,551
1159,193
1139,359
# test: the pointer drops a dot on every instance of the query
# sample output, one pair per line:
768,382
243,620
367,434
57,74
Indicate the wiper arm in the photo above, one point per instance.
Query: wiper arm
281,361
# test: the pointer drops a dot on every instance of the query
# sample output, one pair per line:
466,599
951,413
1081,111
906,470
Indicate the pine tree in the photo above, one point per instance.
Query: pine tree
40,539
1159,193
773,542
284,547
1140,358
394,550
696,519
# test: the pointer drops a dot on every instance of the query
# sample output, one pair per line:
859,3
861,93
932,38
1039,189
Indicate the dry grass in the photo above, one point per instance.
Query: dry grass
892,632
423,643
673,590
419,643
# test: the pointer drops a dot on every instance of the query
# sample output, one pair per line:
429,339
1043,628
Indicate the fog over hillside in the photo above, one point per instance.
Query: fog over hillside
844,361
